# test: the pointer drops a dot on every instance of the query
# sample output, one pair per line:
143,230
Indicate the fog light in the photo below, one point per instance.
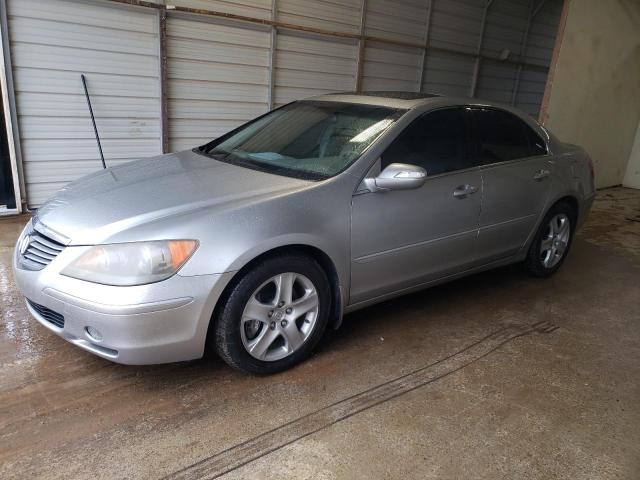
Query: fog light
93,334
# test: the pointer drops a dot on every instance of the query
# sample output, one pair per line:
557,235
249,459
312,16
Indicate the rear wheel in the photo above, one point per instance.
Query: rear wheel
552,241
274,315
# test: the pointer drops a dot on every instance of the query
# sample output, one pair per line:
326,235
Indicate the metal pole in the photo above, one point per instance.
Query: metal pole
533,11
361,46
93,119
476,67
164,101
427,29
272,55
543,114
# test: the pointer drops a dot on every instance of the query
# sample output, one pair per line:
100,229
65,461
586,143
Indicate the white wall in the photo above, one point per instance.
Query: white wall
594,100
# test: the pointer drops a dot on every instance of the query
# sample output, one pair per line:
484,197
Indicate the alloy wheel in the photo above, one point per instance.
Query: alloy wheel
279,316
555,241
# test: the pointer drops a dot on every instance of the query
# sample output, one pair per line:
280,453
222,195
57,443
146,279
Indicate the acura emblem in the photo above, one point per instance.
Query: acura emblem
24,244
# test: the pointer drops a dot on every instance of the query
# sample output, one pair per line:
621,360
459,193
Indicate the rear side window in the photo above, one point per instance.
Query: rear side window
536,144
435,142
501,136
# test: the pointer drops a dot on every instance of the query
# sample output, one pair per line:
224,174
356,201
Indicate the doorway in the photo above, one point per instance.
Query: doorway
7,195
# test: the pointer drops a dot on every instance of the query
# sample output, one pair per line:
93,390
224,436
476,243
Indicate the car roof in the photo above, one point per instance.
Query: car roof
407,100
395,99
411,100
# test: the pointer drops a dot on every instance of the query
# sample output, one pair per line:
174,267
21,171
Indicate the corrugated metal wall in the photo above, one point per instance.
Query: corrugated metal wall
506,26
222,72
218,78
312,65
52,42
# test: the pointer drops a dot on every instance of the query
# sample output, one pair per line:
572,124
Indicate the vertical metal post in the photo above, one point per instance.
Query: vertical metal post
164,101
272,56
533,11
361,46
542,116
9,112
476,67
427,31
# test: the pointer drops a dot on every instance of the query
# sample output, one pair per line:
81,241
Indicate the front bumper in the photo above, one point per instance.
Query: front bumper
147,324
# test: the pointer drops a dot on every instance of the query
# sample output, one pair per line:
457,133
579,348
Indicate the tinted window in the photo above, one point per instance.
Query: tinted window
500,136
435,141
309,138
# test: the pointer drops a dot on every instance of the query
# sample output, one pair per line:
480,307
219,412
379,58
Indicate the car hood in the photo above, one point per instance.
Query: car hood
96,207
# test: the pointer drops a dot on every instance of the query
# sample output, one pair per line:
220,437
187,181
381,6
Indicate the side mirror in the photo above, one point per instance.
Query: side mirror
398,176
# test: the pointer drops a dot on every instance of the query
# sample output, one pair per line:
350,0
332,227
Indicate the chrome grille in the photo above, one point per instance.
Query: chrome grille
40,251
49,315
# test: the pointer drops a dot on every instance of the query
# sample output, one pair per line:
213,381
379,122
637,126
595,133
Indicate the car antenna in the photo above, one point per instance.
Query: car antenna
93,119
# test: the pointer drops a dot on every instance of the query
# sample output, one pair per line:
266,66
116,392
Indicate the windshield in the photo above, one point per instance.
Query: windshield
309,139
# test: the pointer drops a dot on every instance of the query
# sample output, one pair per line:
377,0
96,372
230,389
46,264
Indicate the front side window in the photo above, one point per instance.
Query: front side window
436,142
308,139
501,136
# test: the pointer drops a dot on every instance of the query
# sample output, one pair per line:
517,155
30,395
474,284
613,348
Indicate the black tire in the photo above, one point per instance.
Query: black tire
227,338
533,263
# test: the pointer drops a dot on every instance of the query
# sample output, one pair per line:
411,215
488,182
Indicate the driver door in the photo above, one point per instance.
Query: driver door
403,238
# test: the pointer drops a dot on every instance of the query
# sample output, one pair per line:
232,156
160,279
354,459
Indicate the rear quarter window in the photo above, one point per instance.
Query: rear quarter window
501,136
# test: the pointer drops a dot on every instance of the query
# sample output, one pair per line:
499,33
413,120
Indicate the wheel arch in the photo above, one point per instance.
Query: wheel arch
570,200
313,252
566,198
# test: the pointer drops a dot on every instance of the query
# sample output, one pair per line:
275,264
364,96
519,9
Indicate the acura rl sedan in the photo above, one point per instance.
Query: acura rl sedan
255,243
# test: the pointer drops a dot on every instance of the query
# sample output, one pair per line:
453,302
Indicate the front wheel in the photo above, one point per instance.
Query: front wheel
551,243
274,315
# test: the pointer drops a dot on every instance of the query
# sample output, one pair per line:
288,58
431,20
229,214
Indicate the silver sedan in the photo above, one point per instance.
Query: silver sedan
255,243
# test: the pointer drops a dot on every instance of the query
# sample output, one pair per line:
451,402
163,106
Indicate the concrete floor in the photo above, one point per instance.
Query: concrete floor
495,376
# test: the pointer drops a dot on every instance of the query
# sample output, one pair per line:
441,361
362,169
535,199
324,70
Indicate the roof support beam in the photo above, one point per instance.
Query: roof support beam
543,115
272,56
319,31
533,11
361,46
162,56
476,67
427,31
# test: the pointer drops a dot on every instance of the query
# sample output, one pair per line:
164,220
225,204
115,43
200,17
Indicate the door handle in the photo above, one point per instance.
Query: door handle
463,191
541,174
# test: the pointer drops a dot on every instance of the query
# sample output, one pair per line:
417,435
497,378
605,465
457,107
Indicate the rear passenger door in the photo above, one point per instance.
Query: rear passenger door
516,172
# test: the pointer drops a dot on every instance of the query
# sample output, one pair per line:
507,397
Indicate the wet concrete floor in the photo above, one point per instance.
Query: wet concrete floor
498,375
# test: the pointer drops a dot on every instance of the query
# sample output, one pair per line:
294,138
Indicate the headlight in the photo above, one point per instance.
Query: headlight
131,263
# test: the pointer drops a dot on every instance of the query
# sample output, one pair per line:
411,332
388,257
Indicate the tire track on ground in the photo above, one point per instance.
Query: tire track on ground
250,450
